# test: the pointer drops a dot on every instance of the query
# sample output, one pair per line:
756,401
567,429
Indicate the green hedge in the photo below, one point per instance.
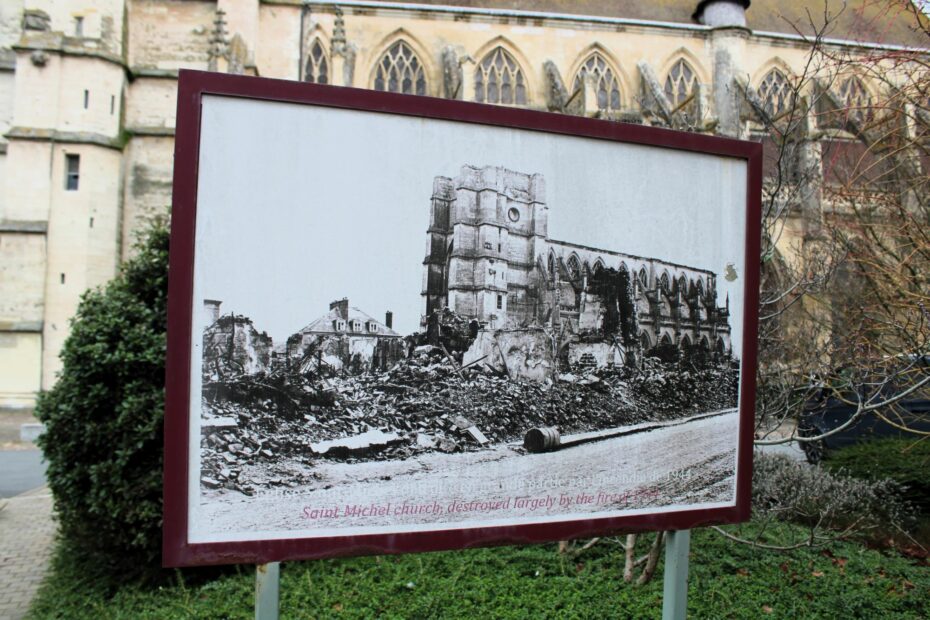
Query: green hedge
904,460
103,417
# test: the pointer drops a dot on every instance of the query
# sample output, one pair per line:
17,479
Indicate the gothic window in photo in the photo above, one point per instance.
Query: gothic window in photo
606,85
499,79
856,99
317,68
400,71
775,92
680,83
574,268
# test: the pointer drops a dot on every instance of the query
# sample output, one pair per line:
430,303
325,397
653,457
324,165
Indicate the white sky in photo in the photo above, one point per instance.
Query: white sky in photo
302,205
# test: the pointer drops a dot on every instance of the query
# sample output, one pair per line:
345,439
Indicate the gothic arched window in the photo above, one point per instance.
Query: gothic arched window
400,71
775,92
605,82
680,82
856,99
317,69
574,268
644,278
499,79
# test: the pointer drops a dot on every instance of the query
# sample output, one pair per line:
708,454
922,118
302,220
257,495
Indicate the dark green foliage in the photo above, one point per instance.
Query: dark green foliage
726,580
904,460
103,439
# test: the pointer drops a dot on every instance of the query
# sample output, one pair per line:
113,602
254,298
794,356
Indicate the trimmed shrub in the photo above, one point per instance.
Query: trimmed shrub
901,459
797,492
103,417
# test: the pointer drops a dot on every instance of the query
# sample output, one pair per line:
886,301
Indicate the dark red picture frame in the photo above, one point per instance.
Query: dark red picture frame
192,86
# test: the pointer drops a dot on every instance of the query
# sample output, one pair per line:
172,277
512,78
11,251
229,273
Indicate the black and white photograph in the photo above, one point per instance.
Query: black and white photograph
406,324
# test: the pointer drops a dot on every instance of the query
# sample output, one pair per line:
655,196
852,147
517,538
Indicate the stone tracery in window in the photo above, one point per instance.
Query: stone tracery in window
680,82
663,283
775,92
400,71
499,79
574,268
317,69
856,99
606,85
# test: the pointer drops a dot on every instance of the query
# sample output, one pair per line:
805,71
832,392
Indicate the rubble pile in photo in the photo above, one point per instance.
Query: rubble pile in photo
276,426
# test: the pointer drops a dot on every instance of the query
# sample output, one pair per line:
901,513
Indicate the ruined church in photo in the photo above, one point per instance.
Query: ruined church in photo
490,258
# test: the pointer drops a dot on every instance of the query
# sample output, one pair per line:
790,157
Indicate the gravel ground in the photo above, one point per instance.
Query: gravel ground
686,464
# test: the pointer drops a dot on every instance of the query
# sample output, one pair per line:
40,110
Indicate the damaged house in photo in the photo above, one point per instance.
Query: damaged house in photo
485,329
345,338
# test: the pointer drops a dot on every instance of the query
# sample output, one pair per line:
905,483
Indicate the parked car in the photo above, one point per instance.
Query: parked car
835,401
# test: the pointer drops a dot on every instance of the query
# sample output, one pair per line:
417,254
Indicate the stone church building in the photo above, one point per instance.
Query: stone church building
88,98
490,257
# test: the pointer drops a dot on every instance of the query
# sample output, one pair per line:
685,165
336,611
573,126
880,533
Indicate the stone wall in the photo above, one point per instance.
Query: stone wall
522,354
169,34
232,346
344,353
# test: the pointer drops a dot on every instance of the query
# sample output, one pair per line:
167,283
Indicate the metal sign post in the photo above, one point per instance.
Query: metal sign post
675,594
267,585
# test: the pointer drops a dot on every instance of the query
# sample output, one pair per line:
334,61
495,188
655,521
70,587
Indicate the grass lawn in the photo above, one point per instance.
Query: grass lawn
727,580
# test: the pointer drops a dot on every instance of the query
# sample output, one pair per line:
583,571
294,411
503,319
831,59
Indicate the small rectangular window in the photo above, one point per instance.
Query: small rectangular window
86,98
72,171
79,26
62,278
500,302
112,104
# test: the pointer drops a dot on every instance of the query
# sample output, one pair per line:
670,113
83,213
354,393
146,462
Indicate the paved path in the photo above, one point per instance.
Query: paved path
27,531
20,471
